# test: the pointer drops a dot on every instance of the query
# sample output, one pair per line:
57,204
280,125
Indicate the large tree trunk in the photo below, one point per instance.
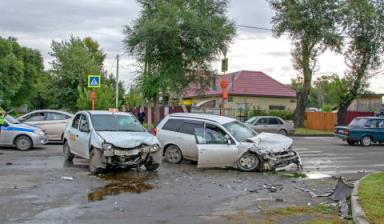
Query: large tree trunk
149,116
301,105
342,114
156,112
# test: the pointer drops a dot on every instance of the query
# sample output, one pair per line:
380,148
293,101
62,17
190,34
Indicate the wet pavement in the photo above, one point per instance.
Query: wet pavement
37,187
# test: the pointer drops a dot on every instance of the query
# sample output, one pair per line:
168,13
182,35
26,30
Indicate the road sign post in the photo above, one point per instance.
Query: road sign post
94,81
224,86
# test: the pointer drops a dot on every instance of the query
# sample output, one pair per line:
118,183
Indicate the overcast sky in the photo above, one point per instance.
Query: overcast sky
35,23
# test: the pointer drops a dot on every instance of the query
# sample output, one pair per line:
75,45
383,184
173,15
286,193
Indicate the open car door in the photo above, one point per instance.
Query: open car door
215,148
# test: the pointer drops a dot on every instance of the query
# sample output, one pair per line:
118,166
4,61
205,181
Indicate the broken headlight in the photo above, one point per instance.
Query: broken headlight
155,147
107,146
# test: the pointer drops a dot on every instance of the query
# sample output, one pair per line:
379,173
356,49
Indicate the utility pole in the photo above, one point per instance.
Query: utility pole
117,81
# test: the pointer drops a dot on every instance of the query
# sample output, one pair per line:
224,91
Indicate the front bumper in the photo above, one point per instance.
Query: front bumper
39,140
132,157
281,161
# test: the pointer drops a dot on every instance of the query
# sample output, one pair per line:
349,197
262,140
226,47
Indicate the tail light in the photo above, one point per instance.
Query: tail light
154,131
346,132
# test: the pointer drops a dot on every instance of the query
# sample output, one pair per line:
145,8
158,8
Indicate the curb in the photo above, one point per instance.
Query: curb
358,214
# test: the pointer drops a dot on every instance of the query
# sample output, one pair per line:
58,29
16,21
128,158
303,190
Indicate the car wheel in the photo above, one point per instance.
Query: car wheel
283,132
366,141
68,156
248,162
23,143
350,142
92,162
173,154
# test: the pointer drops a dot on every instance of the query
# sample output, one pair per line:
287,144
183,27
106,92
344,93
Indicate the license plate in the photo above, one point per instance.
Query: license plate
126,153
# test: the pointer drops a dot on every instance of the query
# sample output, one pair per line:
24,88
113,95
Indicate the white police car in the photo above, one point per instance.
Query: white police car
22,136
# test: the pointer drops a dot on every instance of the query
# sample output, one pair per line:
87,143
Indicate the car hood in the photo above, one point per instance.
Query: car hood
128,139
24,126
269,143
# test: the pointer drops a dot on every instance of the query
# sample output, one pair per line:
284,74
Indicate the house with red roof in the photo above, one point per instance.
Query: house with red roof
246,90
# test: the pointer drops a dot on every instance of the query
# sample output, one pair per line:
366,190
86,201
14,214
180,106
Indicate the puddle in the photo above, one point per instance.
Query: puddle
317,175
123,182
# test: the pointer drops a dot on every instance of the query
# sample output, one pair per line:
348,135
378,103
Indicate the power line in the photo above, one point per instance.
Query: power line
254,27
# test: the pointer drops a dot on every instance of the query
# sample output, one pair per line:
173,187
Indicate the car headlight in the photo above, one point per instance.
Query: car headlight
155,147
107,146
39,132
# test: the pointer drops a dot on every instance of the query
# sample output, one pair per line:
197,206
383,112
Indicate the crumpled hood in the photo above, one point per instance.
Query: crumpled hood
270,143
128,139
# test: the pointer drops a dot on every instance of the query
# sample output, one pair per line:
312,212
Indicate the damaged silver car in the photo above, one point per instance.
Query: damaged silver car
216,141
111,139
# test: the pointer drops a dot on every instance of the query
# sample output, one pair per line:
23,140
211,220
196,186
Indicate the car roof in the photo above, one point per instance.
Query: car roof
49,110
209,117
104,112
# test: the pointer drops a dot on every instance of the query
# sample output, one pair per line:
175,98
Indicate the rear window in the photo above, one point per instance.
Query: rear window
173,125
188,127
358,123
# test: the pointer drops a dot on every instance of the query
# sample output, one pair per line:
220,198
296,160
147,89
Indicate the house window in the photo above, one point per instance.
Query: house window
276,107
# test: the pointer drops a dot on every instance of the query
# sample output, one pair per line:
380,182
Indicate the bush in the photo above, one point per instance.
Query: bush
284,114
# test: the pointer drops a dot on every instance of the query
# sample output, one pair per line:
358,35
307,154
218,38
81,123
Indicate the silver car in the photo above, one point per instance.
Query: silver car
216,141
271,124
53,122
109,139
22,136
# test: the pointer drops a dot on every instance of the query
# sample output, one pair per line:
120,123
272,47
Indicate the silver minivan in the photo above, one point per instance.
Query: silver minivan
217,141
110,139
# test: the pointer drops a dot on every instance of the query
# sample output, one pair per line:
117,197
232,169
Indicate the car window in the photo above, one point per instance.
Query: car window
84,124
76,121
214,135
36,117
52,116
251,120
173,124
358,123
262,121
372,123
381,124
274,121
239,131
113,122
188,127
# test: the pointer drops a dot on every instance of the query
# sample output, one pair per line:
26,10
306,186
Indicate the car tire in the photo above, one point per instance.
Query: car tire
91,163
150,166
366,141
68,155
283,132
173,154
23,143
248,162
350,142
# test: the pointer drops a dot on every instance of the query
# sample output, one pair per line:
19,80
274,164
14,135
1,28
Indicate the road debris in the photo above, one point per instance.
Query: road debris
67,178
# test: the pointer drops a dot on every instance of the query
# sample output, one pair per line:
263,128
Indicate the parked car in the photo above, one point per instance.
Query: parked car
271,124
22,136
53,122
110,139
216,141
365,130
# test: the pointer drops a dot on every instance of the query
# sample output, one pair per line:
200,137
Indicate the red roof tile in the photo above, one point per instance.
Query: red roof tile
248,83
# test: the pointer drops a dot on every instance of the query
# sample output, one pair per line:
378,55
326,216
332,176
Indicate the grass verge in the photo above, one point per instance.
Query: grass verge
371,194
312,132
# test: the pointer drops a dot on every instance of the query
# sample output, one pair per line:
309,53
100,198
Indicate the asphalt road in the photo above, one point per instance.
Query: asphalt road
32,188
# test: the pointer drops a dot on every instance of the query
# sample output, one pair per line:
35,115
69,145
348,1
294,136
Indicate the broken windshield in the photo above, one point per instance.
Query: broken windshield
239,131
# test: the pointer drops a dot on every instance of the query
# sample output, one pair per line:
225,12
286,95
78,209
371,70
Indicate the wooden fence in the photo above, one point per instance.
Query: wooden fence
327,121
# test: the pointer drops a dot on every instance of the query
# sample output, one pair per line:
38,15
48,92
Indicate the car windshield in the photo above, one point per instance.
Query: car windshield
116,123
240,131
358,122
11,120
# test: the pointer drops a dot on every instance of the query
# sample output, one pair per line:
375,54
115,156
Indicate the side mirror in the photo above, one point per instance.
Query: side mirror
229,140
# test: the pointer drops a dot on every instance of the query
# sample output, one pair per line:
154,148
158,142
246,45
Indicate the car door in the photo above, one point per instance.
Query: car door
261,125
55,124
381,130
6,134
73,135
84,135
36,119
275,125
215,147
186,139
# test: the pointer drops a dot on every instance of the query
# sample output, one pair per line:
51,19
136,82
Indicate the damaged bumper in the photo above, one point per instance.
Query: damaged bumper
281,161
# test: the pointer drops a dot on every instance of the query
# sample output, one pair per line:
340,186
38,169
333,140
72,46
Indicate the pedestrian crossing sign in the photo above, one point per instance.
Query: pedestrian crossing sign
94,81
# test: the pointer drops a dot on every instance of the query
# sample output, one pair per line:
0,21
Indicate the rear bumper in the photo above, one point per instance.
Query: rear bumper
347,138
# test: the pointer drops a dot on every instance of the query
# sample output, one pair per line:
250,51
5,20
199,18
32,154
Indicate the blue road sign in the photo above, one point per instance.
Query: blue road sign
94,81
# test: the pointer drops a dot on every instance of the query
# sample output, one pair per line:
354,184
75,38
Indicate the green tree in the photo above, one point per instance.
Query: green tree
312,27
364,26
176,40
20,69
